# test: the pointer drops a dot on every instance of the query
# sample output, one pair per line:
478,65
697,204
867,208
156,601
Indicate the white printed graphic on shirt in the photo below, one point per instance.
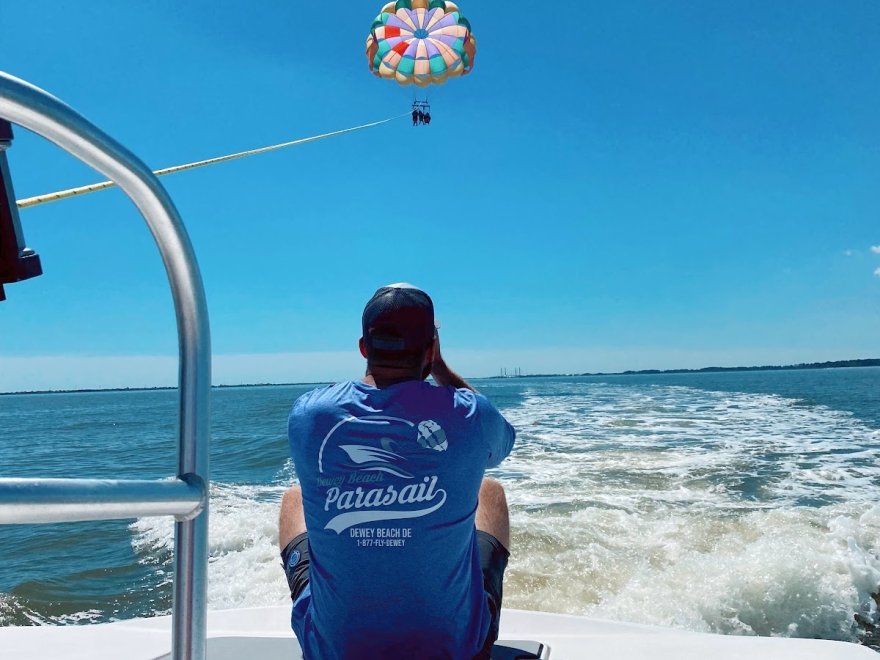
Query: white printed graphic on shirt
356,506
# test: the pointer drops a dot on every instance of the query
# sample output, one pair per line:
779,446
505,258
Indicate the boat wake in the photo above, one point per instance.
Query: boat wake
708,511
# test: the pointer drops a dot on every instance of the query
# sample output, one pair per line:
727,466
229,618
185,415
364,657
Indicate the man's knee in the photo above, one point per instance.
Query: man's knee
292,497
492,494
492,513
291,520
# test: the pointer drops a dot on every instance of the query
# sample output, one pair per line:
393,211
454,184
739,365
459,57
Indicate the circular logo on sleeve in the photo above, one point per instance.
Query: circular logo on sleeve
431,436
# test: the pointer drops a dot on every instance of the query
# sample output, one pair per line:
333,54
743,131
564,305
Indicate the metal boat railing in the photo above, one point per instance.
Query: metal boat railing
186,496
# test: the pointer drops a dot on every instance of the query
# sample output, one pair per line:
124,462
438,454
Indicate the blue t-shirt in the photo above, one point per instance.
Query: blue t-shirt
390,479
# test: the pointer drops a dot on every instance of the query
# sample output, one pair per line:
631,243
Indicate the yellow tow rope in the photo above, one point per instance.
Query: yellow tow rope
95,187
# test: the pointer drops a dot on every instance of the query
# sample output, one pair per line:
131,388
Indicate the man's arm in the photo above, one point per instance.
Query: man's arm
442,374
497,430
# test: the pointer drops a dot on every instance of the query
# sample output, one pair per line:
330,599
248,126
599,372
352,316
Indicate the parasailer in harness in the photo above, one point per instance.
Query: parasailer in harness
421,113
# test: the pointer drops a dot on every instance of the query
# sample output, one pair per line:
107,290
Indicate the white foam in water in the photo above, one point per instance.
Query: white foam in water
724,512
733,513
244,569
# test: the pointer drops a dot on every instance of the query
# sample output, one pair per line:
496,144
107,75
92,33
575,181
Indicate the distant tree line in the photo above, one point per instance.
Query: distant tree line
838,364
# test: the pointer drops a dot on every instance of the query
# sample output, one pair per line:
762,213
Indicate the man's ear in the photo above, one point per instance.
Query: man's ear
428,362
363,346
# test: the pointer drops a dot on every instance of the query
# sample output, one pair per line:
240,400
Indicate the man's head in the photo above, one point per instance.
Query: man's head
398,329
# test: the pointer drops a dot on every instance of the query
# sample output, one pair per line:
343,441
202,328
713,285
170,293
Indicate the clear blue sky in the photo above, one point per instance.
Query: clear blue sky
616,186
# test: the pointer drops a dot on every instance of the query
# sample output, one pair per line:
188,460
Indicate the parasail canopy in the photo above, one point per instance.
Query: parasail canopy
421,42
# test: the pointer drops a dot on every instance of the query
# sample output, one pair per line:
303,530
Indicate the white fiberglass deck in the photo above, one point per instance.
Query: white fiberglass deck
264,634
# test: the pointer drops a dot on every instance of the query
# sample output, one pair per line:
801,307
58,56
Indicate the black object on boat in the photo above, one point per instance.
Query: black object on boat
17,261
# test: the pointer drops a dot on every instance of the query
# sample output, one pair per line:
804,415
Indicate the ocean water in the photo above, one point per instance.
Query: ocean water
739,503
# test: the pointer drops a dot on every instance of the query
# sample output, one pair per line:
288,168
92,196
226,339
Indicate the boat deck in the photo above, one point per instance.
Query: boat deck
265,633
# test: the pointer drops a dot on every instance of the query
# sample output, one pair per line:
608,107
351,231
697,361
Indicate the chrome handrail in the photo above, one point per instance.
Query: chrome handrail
186,497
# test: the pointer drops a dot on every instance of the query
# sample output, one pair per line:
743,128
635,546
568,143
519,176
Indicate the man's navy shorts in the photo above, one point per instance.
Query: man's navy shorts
493,562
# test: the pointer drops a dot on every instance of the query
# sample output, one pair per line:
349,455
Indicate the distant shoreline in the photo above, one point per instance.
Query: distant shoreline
839,364
156,389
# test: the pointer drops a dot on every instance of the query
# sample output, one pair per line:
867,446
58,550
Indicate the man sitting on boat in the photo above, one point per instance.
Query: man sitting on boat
394,544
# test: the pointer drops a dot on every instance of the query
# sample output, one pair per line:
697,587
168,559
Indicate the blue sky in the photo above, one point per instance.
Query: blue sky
616,186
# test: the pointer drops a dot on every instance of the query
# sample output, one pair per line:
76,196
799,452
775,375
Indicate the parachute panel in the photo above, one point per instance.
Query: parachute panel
421,42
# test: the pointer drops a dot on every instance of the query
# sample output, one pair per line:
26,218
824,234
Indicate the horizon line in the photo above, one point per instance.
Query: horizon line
832,364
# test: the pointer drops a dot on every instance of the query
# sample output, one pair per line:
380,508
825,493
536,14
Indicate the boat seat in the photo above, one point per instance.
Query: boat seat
286,648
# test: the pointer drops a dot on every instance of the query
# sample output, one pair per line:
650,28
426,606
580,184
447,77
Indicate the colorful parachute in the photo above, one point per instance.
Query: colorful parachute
421,42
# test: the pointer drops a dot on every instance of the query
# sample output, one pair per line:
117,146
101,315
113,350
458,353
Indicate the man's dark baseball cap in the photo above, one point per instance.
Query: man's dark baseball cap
398,324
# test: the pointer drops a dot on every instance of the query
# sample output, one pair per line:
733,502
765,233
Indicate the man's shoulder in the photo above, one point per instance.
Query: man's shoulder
470,403
322,396
468,397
